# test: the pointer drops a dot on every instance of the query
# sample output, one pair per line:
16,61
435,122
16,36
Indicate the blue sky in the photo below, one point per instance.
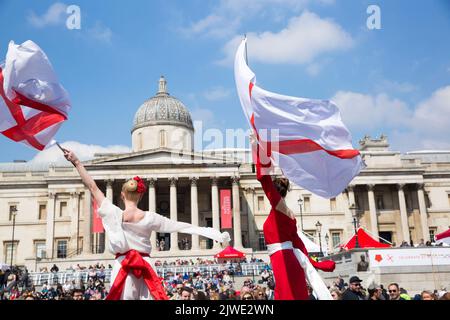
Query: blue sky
395,80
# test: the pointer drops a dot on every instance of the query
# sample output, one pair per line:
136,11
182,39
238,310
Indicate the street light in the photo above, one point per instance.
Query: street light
13,213
353,211
300,202
318,229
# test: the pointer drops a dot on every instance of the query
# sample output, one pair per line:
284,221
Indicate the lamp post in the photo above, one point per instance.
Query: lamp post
13,212
318,229
353,211
300,202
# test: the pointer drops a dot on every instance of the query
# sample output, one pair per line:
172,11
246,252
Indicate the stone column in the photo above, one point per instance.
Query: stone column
344,201
423,213
403,213
74,220
215,208
110,196
373,211
152,206
87,217
236,213
194,212
173,213
250,216
49,240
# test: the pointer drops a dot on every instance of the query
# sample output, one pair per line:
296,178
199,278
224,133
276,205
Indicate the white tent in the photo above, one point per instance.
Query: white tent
311,246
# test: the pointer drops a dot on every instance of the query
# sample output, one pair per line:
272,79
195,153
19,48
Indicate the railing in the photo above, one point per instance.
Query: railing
52,278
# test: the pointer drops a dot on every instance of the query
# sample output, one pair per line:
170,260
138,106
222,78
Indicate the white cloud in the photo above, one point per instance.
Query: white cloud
217,93
422,126
83,151
204,115
100,32
228,16
55,15
301,41
394,86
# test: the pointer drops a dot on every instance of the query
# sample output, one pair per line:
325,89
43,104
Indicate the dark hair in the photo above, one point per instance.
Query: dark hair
282,185
395,284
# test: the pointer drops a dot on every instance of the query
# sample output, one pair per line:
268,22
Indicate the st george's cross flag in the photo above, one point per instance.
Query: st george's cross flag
33,104
443,238
306,138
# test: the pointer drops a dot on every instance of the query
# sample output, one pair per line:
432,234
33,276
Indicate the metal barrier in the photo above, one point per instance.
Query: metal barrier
52,278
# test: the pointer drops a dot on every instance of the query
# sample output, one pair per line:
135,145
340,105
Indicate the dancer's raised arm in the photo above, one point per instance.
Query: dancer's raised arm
85,177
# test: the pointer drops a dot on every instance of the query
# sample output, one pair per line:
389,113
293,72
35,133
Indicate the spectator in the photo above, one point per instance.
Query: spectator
354,290
336,294
374,292
247,296
394,292
421,243
186,293
427,295
77,294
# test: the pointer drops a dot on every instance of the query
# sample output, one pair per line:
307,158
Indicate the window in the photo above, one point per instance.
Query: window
428,201
42,212
61,247
62,209
162,138
260,203
335,238
307,204
333,205
10,248
379,202
40,249
12,210
448,199
432,232
408,202
262,241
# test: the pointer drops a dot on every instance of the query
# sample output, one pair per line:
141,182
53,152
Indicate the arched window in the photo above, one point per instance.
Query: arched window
162,138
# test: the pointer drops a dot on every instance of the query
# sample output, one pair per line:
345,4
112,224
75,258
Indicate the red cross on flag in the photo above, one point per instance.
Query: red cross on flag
33,104
306,138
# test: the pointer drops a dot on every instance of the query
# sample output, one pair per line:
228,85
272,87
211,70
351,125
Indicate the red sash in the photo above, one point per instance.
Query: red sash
134,263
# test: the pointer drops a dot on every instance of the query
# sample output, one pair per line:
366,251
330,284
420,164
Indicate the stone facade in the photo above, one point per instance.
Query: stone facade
399,197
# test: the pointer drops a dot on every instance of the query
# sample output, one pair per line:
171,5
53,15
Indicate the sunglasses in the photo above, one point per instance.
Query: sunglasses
357,284
390,291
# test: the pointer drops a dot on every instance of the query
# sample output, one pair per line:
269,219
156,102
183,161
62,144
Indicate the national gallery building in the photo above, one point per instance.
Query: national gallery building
46,214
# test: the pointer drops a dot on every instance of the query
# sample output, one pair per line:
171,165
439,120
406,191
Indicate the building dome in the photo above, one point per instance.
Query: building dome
162,109
162,122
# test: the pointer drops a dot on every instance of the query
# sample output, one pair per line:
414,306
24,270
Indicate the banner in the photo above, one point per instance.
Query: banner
97,225
225,209
409,257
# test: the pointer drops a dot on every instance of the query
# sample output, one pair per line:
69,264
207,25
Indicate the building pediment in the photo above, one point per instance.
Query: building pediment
160,156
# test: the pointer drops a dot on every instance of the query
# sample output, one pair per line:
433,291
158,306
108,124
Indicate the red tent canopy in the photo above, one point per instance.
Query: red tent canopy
364,241
230,253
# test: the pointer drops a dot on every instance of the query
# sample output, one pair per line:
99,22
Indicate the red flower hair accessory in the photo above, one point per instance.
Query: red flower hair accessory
141,188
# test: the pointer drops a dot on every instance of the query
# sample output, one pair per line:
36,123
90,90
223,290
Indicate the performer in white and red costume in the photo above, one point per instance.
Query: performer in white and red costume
129,230
291,264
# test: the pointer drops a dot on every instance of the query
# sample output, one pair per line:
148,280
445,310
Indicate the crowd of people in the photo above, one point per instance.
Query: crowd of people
354,290
16,284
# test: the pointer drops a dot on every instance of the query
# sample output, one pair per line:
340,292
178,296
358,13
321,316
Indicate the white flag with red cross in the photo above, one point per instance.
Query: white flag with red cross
33,104
306,138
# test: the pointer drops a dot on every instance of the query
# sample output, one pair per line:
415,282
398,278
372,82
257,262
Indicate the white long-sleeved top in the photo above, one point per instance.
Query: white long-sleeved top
126,236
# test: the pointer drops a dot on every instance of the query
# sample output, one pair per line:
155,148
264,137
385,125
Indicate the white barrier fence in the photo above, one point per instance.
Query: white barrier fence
247,269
